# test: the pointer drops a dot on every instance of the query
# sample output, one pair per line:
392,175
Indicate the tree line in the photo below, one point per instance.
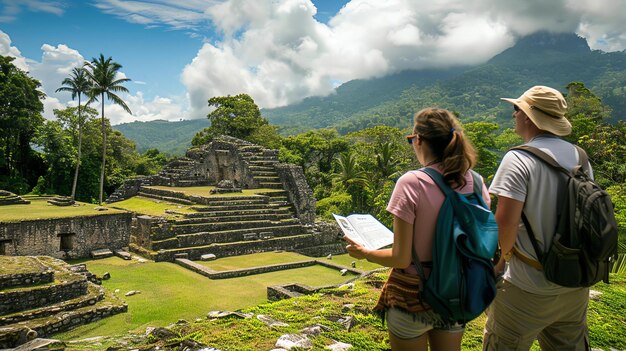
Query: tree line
80,156
356,172
75,155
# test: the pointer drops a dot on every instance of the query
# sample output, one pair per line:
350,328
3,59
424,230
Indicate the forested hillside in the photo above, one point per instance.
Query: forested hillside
547,59
170,137
473,92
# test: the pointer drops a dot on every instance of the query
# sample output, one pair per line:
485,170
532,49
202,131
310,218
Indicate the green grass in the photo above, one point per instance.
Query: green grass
346,260
170,292
40,209
254,260
205,191
606,317
152,207
269,258
19,265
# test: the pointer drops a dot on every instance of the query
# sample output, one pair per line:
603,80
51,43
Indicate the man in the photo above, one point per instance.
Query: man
527,305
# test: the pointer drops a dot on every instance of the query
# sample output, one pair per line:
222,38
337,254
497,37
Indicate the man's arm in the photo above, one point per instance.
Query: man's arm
508,215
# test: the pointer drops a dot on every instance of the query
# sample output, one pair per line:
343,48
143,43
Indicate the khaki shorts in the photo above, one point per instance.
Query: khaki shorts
516,318
410,326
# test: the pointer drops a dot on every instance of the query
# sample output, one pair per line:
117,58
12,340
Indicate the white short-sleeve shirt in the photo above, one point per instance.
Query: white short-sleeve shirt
525,178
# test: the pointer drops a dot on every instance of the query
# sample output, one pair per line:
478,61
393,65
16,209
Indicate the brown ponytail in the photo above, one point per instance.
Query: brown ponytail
441,130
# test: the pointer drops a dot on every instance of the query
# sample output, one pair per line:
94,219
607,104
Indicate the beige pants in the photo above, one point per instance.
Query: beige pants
516,318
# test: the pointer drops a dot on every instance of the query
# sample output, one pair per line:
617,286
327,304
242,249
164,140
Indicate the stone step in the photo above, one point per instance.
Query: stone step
237,235
267,179
66,287
254,168
234,217
66,320
235,208
259,211
259,200
228,226
94,294
265,163
166,198
264,174
220,198
251,148
268,185
242,248
101,253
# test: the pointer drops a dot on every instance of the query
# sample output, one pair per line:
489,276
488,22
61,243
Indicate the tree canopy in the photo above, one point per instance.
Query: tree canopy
237,116
20,117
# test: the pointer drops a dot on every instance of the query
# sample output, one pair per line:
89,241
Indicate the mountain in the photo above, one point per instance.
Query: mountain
538,59
170,137
474,92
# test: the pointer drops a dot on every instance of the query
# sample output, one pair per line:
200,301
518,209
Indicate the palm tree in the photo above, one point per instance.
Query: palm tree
352,178
103,76
77,84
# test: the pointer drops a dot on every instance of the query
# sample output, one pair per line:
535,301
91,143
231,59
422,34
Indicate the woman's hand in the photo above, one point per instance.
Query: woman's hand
355,249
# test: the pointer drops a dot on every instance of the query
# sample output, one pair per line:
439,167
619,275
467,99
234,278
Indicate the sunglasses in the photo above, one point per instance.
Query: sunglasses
516,108
410,138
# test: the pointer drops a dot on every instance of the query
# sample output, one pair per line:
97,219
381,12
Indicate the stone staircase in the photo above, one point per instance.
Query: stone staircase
41,296
228,225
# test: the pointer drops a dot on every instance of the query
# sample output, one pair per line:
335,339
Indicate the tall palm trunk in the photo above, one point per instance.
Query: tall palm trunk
80,144
104,153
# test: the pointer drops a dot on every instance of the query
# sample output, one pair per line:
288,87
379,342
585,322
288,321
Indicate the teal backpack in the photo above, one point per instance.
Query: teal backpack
462,282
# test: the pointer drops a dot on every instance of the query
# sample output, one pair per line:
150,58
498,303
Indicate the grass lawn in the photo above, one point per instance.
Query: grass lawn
205,191
170,292
152,207
346,260
253,260
39,208
269,258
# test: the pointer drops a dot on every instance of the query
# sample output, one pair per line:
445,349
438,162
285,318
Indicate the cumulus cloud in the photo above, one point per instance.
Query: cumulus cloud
166,108
6,49
279,53
57,63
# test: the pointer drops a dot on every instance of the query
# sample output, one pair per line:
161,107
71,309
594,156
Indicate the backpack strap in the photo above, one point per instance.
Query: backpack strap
445,188
583,159
438,179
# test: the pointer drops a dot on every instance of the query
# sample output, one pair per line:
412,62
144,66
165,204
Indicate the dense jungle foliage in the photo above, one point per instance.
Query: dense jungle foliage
348,172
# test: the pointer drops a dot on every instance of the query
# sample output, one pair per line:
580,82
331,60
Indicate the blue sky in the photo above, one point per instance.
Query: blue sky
179,53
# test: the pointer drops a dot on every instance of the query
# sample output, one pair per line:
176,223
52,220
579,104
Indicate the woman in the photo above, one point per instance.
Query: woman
438,143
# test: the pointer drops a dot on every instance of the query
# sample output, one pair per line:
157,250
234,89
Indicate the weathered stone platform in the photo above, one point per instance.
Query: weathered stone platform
41,296
280,216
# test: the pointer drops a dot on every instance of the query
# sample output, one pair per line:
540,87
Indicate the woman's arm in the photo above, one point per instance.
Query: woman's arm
398,256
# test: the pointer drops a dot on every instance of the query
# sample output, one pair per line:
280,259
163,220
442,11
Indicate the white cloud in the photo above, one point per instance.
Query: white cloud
179,14
7,50
166,108
9,9
57,63
278,53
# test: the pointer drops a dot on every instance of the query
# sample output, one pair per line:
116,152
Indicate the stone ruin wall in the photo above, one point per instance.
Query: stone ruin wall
43,237
221,159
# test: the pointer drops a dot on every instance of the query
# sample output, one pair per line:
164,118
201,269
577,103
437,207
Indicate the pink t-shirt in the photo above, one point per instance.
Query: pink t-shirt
417,199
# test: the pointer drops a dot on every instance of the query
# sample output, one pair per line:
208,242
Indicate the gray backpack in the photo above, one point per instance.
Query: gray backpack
584,245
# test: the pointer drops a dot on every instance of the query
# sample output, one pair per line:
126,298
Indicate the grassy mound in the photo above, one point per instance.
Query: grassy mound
607,322
170,292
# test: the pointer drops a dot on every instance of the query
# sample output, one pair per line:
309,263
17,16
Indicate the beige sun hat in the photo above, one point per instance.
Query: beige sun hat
546,108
